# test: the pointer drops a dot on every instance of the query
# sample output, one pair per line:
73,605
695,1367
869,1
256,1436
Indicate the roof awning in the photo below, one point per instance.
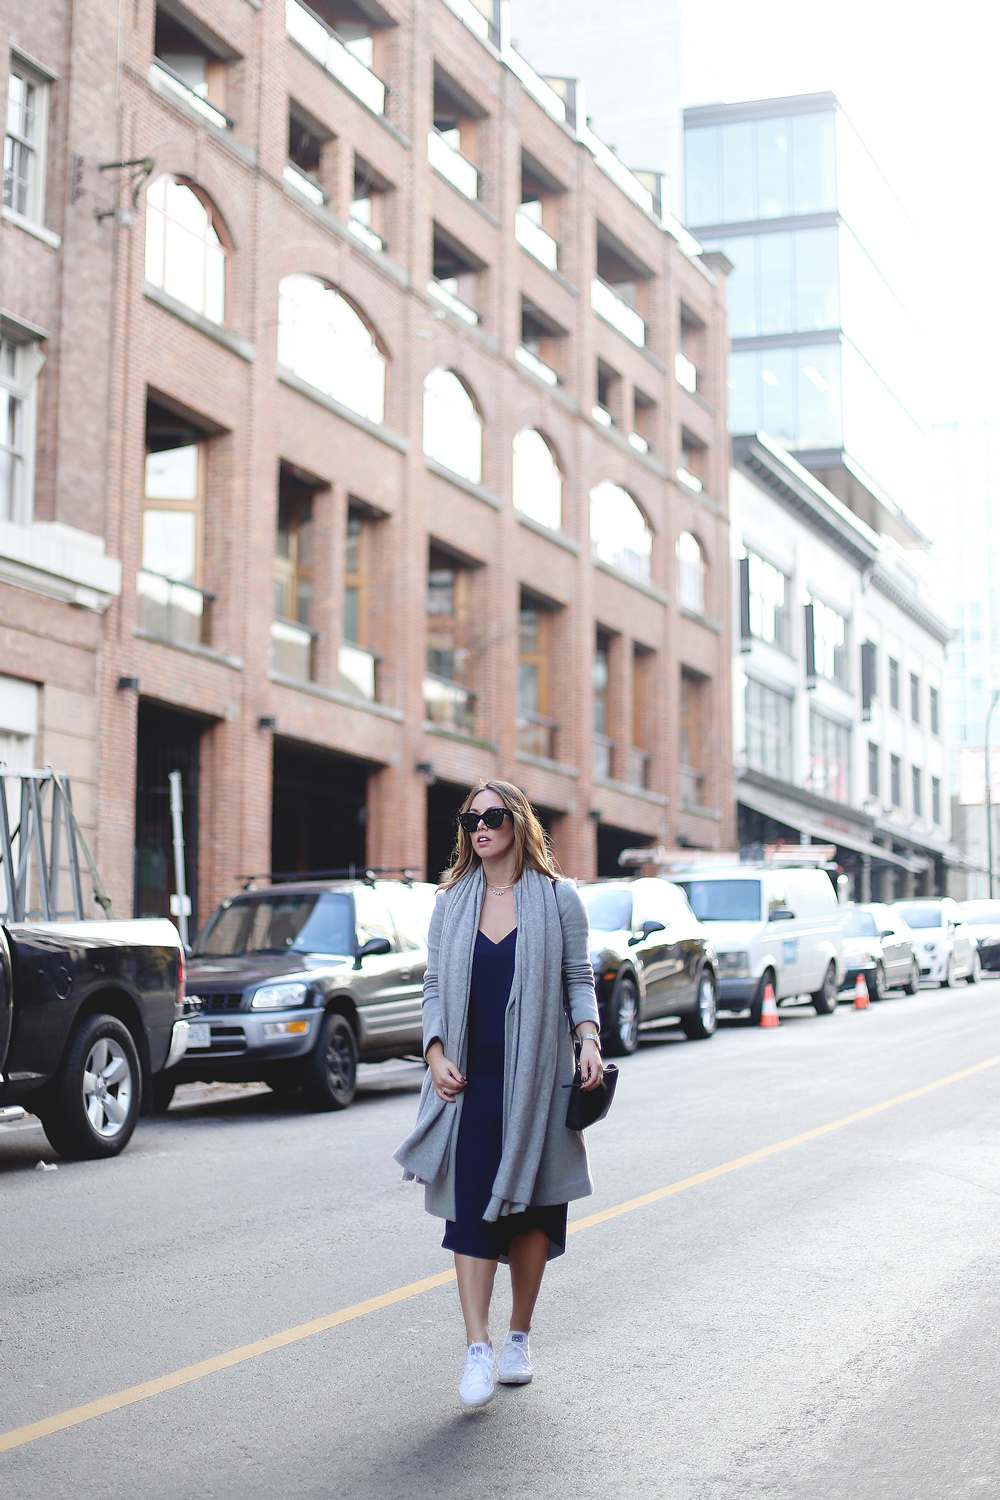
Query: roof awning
797,817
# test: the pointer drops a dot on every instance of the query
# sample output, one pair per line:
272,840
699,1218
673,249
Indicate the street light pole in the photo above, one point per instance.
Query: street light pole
989,808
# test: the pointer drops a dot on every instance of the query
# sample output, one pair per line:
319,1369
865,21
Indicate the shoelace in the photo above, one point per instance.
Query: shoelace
477,1357
518,1351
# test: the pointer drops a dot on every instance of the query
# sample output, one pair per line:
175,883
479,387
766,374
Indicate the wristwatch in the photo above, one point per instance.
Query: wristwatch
590,1036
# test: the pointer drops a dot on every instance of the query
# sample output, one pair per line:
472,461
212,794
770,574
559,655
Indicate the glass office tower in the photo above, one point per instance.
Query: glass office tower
825,352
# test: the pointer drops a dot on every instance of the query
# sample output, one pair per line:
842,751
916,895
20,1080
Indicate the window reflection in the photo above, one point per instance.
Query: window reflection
774,168
453,429
323,341
770,615
690,572
814,158
774,253
737,173
701,176
537,481
619,534
791,394
184,254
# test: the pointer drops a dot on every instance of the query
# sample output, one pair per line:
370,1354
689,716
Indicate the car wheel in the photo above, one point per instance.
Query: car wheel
330,1074
976,971
93,1105
163,1092
699,1024
949,974
757,1004
879,988
913,983
621,1035
825,998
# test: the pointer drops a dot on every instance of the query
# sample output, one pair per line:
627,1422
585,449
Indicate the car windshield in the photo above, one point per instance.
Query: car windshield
723,900
982,913
921,916
293,923
608,907
860,924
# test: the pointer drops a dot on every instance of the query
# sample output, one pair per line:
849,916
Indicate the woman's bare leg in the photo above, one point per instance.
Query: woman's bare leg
528,1255
475,1288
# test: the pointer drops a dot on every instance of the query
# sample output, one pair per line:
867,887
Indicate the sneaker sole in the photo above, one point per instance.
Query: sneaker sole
474,1405
516,1379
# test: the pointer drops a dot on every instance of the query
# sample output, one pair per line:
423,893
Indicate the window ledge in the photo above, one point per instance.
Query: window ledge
648,589
458,737
544,764
215,132
374,429
566,542
378,258
700,619
234,342
59,561
620,440
488,497
39,231
317,690
657,799
190,648
703,812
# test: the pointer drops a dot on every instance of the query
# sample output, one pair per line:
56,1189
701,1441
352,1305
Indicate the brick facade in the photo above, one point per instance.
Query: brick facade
117,347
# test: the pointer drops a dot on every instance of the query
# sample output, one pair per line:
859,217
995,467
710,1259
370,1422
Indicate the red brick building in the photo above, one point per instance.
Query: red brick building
403,412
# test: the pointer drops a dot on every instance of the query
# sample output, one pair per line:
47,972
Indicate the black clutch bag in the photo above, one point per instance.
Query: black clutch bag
587,1106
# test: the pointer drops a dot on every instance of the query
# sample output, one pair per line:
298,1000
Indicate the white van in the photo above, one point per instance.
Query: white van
771,925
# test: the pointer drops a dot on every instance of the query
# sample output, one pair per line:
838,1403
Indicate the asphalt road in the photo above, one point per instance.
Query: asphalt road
821,1321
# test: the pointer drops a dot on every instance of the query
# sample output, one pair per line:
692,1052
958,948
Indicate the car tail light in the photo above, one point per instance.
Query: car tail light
180,977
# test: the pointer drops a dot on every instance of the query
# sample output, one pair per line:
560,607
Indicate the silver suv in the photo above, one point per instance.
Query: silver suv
295,984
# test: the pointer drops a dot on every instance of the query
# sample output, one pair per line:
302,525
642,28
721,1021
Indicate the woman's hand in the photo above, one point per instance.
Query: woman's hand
447,1080
591,1063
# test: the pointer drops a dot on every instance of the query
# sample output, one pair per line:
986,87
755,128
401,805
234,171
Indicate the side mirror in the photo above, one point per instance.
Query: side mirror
887,932
374,948
647,928
781,914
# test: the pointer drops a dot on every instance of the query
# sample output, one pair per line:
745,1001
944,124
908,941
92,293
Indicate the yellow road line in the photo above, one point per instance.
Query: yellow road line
18,1437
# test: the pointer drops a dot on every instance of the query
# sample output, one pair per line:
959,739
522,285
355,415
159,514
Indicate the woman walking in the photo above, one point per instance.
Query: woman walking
507,938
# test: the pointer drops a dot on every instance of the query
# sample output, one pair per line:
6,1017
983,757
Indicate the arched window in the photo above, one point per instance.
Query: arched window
323,341
184,254
453,428
618,531
690,572
537,481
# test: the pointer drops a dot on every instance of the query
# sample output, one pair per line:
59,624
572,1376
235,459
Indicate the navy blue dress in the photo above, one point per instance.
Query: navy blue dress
480,1131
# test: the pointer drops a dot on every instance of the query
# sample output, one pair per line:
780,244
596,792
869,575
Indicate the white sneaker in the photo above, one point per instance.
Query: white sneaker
515,1360
479,1383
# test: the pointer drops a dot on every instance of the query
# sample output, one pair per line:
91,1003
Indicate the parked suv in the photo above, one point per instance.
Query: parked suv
652,960
295,984
777,925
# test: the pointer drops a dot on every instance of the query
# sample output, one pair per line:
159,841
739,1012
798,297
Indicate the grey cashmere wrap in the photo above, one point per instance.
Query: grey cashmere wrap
542,1161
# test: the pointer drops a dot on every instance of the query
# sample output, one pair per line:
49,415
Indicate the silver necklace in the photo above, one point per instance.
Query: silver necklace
500,890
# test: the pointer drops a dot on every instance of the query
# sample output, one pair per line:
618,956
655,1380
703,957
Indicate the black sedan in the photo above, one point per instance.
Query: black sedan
984,919
652,961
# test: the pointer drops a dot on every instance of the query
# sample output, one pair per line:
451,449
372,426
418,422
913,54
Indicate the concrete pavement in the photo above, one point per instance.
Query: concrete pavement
820,1322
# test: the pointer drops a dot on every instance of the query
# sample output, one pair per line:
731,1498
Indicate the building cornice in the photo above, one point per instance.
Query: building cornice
920,613
795,489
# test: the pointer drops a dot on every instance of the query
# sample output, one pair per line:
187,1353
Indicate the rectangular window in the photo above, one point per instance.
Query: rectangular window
293,552
172,604
536,731
19,366
692,737
830,636
936,798
893,683
601,679
872,769
914,697
643,699
768,731
895,781
356,578
24,143
829,758
935,721
770,603
447,699
917,784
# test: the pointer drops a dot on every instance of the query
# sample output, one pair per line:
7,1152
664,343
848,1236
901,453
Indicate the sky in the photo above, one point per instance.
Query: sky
920,84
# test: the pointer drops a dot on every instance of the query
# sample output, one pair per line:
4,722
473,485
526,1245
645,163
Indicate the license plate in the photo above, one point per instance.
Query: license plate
199,1034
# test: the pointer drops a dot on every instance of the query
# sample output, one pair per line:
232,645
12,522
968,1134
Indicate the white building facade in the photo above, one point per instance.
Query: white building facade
838,685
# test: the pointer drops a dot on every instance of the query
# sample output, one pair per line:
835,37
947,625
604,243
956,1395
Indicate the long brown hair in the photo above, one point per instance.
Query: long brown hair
531,846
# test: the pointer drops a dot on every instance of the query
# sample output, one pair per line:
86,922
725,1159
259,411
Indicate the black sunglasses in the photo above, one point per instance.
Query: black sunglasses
493,818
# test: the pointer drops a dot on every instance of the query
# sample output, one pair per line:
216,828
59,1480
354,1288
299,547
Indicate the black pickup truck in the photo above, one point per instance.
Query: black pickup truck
90,1010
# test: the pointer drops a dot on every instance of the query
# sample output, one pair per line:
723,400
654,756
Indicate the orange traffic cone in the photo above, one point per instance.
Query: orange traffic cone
861,1000
769,1009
